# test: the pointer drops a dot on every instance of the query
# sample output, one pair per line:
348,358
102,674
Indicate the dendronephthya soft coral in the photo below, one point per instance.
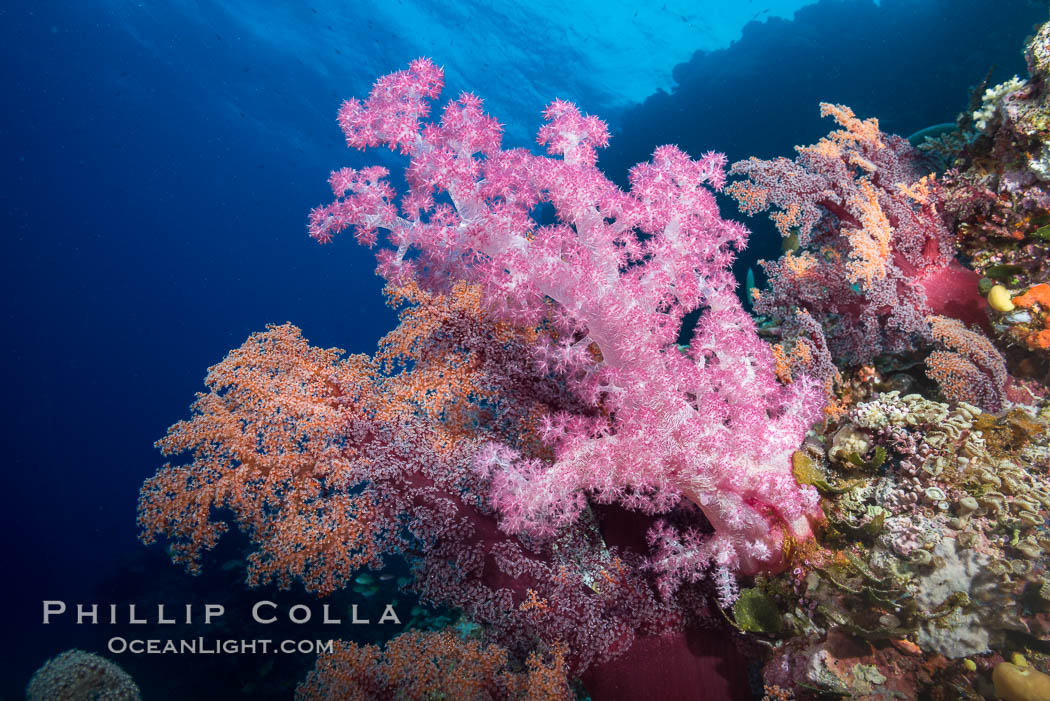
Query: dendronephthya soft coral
607,282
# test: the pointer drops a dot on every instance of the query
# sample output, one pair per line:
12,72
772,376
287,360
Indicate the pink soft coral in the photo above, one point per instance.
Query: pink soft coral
607,282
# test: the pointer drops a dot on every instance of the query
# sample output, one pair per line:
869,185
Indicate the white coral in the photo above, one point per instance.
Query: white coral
991,99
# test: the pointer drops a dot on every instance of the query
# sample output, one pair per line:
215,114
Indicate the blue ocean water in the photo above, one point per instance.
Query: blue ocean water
160,159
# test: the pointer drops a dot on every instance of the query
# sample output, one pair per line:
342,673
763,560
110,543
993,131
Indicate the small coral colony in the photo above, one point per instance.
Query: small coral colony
851,477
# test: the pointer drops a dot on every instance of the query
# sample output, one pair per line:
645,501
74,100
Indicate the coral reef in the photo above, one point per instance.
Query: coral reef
865,500
330,466
995,194
997,201
935,549
933,564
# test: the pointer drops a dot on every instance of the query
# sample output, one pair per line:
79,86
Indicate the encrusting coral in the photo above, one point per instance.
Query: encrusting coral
76,675
935,548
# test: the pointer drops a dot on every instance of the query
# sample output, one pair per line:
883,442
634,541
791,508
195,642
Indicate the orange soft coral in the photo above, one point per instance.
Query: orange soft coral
300,442
972,370
447,361
870,242
435,664
266,434
1035,334
854,129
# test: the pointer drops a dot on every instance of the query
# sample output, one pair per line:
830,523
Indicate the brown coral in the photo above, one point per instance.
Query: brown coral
76,675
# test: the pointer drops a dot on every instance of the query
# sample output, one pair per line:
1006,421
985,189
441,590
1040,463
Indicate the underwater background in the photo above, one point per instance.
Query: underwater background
160,159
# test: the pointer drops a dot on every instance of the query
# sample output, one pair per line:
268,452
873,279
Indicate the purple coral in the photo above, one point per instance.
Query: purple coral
875,251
